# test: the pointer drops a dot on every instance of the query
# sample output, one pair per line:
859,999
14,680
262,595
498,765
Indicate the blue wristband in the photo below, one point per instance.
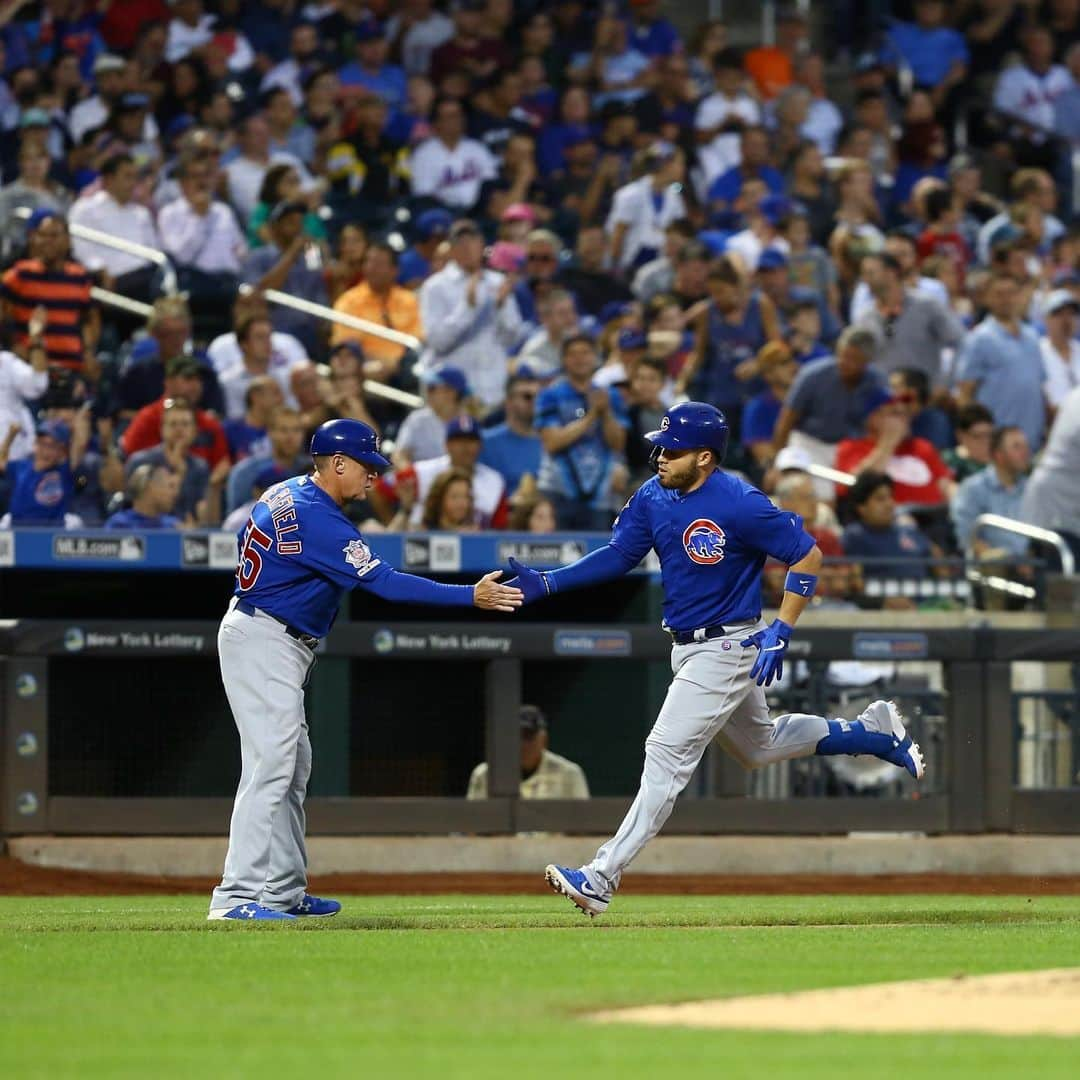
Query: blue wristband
800,584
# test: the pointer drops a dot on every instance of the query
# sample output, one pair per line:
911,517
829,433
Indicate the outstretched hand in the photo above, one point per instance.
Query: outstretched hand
534,584
771,644
491,595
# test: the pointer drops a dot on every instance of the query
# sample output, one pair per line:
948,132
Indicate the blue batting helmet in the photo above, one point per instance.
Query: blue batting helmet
353,438
692,425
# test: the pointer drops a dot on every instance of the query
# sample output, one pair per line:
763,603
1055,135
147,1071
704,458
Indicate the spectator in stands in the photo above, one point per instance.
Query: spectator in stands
224,351
113,209
909,330
286,455
762,233
237,520
32,189
589,278
937,55
772,67
828,399
1001,364
777,367
542,352
423,432
415,32
918,474
1052,497
645,411
910,388
875,535
642,209
41,486
728,333
942,235
369,68
469,52
291,263
291,135
52,280
247,434
997,489
902,248
152,491
110,83
1060,347
513,447
543,254
200,234
380,300
182,380
722,116
470,316
449,167
430,229
974,426
753,165
281,184
658,275
544,775
245,173
583,431
532,512
448,505
22,383
199,498
256,355
1027,188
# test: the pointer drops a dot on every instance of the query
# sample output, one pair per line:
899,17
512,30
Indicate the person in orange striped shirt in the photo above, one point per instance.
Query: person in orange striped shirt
379,300
51,280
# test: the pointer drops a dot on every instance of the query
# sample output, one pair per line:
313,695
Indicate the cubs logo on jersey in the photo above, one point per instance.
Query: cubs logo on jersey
704,542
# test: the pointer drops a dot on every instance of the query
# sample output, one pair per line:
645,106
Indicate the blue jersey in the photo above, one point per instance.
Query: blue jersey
39,498
712,546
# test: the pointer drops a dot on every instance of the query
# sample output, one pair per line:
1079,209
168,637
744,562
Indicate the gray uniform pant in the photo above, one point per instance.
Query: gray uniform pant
711,695
264,671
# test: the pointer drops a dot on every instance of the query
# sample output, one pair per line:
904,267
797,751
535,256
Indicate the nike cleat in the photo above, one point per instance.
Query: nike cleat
578,889
885,717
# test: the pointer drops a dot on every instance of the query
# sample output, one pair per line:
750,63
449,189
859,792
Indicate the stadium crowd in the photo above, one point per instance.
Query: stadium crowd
867,256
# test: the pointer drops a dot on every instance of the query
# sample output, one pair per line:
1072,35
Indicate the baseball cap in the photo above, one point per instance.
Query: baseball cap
108,62
793,457
874,400
463,427
464,227
432,223
181,365
506,257
715,240
613,309
532,720
368,30
1061,298
351,345
447,375
959,163
632,339
576,135
285,207
519,212
772,259
55,429
34,118
868,61
774,208
40,216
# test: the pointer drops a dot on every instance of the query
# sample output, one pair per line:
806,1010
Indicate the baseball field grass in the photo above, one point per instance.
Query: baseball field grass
499,987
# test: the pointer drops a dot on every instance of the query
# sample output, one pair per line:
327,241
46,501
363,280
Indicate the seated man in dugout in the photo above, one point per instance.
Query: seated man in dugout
544,775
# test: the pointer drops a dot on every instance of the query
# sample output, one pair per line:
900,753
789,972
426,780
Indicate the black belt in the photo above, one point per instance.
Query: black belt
305,639
692,637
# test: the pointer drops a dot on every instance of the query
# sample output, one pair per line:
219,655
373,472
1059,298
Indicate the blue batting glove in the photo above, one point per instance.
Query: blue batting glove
771,644
535,584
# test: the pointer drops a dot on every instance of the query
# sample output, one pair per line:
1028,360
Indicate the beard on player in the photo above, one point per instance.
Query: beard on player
679,469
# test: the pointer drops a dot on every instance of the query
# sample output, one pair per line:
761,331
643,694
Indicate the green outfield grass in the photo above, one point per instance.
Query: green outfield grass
494,987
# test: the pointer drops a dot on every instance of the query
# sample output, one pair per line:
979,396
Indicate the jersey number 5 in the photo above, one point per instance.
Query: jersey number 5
247,573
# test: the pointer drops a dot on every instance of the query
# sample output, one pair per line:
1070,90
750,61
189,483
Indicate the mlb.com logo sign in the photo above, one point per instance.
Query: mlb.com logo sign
704,542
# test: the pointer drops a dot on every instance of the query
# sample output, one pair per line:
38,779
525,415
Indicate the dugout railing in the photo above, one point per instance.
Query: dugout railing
983,724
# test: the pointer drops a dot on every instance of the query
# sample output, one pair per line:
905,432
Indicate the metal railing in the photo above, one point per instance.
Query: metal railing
1030,532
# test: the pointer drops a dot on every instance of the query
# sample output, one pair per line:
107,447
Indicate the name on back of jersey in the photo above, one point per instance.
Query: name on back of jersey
283,515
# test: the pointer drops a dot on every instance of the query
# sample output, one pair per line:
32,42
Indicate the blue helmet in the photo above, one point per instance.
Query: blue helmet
692,425
353,438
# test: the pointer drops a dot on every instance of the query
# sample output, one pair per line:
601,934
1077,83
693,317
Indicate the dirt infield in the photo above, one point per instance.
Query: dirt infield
21,879
1014,1003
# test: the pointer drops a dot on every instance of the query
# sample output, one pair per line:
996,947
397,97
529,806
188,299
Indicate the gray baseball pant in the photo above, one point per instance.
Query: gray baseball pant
712,694
264,671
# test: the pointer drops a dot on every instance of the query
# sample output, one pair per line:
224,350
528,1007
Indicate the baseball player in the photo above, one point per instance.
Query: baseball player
298,554
712,533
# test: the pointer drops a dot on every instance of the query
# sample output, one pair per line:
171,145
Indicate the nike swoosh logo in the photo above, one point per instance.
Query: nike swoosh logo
773,648
587,890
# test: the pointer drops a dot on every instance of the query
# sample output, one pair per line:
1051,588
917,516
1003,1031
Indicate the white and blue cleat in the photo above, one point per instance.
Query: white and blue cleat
885,717
315,906
250,912
576,886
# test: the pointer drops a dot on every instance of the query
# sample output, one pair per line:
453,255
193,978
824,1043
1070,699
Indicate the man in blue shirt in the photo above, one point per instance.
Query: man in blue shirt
42,485
298,555
1001,366
996,489
430,229
583,432
650,33
754,163
936,54
712,533
152,491
875,535
513,448
370,69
